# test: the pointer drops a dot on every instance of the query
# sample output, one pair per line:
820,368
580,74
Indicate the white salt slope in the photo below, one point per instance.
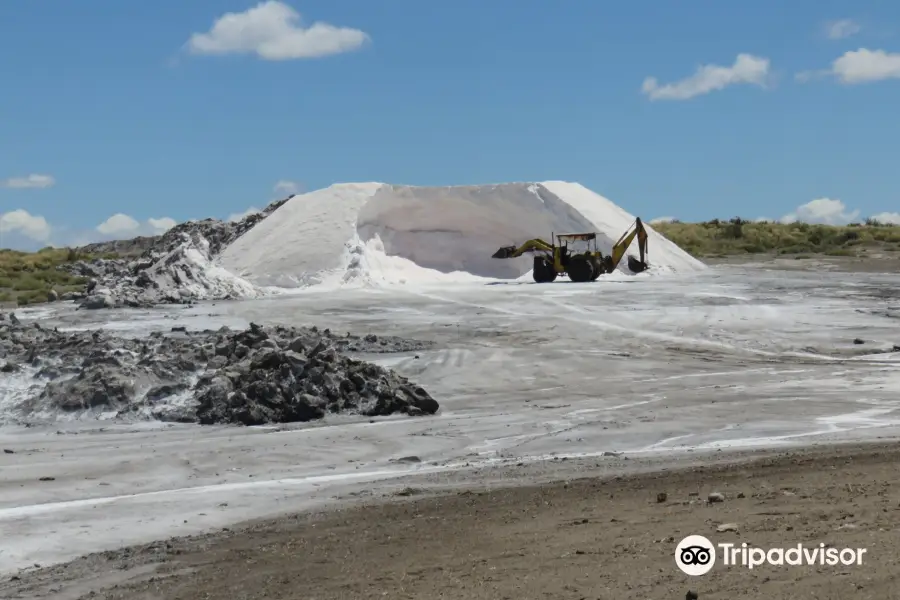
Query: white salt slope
375,233
371,265
304,242
457,229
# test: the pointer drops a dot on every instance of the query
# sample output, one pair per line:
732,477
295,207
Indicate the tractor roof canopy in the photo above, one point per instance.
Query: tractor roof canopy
576,236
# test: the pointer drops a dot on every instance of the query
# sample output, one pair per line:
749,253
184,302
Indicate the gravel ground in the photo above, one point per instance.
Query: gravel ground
594,534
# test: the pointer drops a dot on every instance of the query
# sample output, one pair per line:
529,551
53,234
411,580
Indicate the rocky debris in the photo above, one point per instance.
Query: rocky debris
98,268
715,497
101,299
251,377
126,248
173,268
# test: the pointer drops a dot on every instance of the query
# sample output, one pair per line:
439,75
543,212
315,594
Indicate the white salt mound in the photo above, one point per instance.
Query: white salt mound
374,233
304,241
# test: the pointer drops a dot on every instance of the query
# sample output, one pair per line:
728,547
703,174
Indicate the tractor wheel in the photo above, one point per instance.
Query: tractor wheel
543,271
580,269
597,266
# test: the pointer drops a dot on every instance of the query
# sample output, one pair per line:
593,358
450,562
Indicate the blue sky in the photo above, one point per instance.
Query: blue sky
148,110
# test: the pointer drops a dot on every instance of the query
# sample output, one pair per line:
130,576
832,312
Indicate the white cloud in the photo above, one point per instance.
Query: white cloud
117,224
21,230
888,217
822,210
286,187
747,69
241,215
859,66
844,28
864,66
161,225
29,181
659,220
34,227
122,225
274,31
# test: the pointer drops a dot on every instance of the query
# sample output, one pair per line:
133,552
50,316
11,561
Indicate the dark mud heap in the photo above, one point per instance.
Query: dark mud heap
251,377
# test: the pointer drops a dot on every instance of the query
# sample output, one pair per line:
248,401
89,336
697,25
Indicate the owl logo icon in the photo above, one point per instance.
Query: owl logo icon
695,555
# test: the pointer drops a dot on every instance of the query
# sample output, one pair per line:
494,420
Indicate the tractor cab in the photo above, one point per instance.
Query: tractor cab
582,243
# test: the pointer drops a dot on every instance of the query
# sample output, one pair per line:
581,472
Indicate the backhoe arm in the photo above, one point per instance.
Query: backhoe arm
618,250
529,246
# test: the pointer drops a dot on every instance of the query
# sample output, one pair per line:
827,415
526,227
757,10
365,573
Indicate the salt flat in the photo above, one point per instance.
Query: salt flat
728,357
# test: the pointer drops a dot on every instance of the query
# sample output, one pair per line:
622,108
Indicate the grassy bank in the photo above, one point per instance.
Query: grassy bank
728,238
27,277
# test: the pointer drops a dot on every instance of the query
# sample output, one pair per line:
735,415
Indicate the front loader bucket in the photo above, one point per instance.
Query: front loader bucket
504,252
637,266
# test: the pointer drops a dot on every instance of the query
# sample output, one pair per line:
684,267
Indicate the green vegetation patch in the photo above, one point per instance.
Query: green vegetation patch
27,277
738,236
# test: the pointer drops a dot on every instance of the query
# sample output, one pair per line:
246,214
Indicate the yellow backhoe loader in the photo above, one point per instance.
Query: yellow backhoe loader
583,264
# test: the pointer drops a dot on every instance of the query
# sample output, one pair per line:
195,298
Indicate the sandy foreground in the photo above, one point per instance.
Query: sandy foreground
592,534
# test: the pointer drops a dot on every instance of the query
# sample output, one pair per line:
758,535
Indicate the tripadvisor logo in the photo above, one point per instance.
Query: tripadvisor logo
696,555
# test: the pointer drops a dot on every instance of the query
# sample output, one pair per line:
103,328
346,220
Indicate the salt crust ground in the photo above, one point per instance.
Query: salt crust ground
526,374
374,233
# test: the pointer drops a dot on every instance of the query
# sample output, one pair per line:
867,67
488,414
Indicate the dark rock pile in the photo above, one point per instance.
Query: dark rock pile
166,270
265,378
131,248
259,375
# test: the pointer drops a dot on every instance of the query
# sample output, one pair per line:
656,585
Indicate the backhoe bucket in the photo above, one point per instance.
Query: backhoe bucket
637,266
504,252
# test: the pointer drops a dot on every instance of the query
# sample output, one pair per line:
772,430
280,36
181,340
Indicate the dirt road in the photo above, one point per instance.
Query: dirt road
587,538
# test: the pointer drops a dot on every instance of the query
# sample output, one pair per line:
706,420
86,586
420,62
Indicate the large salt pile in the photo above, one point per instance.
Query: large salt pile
381,233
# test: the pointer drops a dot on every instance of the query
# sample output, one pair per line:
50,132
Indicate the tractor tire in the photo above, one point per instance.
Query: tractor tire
597,265
580,270
543,271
